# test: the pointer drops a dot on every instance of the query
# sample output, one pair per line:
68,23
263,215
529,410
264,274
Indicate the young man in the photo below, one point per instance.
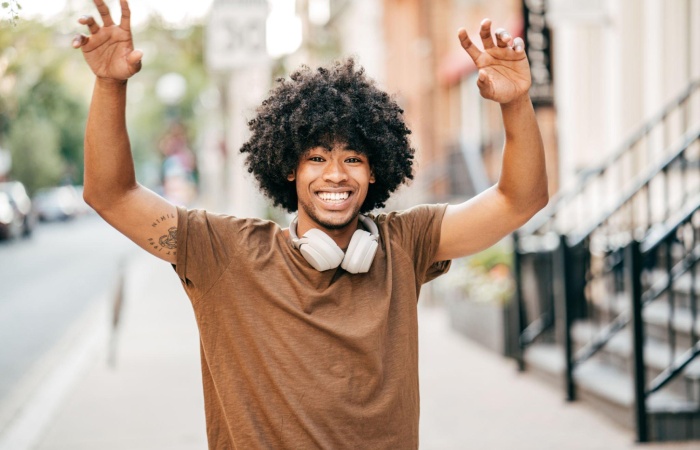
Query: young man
309,334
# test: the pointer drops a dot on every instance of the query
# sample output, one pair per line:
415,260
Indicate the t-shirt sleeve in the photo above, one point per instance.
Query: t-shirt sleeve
417,231
203,249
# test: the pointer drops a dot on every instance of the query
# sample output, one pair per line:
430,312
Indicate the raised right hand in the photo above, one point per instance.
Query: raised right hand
109,50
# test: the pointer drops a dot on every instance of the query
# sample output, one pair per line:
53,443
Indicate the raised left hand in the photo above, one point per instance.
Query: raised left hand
504,71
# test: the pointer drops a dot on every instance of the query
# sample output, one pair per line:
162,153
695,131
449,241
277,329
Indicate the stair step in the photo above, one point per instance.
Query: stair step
677,425
657,357
611,391
681,287
659,275
657,354
605,381
656,316
548,362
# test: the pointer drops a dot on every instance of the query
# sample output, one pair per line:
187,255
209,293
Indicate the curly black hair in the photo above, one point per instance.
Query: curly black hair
331,104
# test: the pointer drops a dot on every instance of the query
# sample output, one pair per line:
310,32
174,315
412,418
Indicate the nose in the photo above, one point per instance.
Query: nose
334,172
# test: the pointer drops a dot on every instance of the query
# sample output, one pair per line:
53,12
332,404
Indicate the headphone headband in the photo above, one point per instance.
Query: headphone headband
321,251
366,222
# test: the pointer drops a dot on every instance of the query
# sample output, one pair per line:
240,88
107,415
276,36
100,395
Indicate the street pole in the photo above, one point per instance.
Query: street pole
222,81
236,51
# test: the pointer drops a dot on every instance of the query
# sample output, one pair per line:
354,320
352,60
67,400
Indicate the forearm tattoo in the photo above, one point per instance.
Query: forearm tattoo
162,219
168,242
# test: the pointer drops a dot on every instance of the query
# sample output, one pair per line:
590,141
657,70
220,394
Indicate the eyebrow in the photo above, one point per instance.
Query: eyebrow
345,148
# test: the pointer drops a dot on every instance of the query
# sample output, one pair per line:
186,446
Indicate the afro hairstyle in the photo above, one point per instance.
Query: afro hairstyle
338,103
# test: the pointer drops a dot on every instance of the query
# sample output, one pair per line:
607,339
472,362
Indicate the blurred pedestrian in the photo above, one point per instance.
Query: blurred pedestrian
309,334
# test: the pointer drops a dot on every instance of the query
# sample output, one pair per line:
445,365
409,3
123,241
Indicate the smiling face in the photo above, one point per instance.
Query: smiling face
331,186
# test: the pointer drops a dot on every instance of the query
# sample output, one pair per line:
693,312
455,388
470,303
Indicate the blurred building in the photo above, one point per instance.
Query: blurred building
617,63
343,28
458,135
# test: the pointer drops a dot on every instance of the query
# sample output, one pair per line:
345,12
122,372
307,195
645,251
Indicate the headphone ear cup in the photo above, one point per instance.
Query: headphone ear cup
360,252
320,250
369,257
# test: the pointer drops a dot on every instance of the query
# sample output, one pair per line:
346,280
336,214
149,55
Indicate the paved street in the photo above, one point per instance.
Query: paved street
46,283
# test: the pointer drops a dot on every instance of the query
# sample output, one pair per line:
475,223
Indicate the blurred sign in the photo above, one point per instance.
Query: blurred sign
236,34
539,52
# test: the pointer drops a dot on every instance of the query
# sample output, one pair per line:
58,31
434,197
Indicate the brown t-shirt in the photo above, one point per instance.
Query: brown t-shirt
293,358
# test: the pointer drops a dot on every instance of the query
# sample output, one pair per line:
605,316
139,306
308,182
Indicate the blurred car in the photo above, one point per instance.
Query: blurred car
21,204
10,226
57,203
83,207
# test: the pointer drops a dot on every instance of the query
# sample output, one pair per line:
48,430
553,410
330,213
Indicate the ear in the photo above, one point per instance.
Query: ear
292,176
371,177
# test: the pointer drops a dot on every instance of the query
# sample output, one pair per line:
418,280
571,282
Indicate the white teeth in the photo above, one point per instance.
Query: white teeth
333,196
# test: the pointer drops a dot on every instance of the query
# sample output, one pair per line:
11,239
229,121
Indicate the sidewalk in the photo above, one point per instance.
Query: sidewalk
151,399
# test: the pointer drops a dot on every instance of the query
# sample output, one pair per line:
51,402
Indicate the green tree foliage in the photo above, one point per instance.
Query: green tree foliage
49,101
32,143
45,89
11,9
42,111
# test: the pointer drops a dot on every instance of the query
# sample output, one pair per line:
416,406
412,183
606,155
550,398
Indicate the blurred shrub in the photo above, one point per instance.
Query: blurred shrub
482,277
34,144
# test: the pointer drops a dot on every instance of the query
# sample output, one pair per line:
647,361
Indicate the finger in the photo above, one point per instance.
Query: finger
503,38
79,40
104,13
467,44
134,59
485,34
126,15
484,84
90,22
518,44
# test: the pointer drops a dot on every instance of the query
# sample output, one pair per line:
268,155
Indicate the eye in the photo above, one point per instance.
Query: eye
316,159
353,160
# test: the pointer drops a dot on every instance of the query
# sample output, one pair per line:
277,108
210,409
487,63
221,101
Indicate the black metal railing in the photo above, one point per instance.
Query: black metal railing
577,266
632,278
644,147
679,245
601,296
654,147
595,282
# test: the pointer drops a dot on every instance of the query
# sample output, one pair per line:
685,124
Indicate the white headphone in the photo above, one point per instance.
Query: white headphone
321,251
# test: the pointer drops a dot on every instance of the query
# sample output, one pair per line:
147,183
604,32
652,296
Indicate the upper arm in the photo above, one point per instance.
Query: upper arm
478,223
147,219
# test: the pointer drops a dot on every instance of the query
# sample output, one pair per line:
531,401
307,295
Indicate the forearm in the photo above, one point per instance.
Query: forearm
109,166
523,179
